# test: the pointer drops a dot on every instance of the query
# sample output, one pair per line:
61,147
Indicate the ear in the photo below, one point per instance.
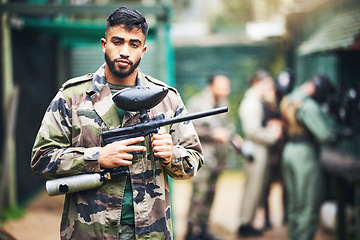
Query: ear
103,44
144,50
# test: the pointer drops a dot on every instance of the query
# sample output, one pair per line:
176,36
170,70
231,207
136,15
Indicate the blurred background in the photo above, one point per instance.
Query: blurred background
46,42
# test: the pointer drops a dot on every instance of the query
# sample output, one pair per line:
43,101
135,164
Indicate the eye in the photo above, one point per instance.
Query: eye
135,45
117,41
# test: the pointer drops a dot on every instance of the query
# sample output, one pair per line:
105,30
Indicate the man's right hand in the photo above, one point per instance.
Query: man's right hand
276,126
119,153
221,135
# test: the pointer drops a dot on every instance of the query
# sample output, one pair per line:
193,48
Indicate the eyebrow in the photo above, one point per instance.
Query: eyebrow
122,39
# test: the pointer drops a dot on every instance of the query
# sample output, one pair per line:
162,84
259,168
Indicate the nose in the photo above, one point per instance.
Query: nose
124,51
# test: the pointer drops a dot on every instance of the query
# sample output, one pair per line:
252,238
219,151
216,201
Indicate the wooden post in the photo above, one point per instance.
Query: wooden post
8,195
8,184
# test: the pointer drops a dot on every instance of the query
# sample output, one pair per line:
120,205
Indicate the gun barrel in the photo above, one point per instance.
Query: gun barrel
192,116
144,129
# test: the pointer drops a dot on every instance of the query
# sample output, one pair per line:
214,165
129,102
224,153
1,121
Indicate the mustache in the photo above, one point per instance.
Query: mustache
123,59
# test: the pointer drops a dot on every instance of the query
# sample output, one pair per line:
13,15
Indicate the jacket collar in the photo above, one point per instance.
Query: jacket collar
101,97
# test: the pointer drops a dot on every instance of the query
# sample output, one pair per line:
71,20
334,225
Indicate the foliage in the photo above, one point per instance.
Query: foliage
13,212
235,14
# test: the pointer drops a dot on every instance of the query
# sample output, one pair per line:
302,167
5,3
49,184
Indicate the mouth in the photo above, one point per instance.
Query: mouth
123,63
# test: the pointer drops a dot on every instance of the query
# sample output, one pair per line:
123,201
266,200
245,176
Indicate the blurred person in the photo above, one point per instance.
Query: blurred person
284,83
262,132
136,205
215,135
307,127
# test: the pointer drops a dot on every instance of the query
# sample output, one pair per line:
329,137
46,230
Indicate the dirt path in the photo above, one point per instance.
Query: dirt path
42,219
225,215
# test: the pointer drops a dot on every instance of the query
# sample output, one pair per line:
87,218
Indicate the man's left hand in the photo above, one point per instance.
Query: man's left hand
162,145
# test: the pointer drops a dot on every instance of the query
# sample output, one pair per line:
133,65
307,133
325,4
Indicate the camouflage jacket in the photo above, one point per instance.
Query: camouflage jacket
215,152
69,141
205,127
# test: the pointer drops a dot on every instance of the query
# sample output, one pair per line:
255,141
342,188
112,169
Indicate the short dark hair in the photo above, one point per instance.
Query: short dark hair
323,87
214,75
260,74
130,18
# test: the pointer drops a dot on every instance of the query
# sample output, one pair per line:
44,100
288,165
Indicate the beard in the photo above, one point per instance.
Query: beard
122,73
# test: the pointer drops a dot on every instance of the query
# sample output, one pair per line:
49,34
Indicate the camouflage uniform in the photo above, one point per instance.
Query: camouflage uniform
214,152
68,143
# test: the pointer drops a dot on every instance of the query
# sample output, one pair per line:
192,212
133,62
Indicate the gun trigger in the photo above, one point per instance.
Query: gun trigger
101,131
108,176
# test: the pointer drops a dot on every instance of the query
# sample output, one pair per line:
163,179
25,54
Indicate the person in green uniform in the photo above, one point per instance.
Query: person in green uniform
307,126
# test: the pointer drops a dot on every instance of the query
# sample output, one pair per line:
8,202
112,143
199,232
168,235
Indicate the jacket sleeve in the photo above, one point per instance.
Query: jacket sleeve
317,121
53,155
187,156
251,115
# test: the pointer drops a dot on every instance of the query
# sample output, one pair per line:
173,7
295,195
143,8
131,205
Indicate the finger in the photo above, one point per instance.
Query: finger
119,163
131,141
161,143
163,136
162,131
163,154
122,162
117,160
163,148
135,148
125,156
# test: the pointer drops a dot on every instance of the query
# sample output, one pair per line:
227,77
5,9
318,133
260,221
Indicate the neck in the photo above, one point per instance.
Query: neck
308,88
258,89
129,80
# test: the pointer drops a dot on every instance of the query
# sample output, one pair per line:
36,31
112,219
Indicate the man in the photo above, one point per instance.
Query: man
136,206
307,126
262,132
284,83
215,134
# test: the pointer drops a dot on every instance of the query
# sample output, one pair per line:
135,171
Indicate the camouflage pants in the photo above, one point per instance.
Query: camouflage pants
127,232
204,184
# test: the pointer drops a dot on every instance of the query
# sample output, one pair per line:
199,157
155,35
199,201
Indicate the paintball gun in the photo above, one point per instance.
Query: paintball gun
137,99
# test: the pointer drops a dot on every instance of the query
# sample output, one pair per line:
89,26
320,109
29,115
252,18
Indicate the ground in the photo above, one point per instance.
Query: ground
225,214
42,218
41,221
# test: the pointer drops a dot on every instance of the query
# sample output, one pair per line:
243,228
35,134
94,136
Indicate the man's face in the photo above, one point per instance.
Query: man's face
268,89
123,50
220,87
